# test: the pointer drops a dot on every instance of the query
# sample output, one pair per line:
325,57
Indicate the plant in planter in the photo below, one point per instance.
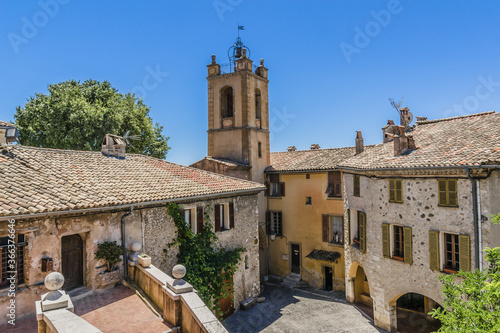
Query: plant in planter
111,252
144,260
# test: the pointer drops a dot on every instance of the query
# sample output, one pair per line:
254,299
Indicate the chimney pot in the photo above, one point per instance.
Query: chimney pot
359,143
291,148
113,145
314,146
421,119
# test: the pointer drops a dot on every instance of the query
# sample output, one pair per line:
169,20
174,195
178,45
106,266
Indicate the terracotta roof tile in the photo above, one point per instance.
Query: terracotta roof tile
47,180
6,124
309,160
457,141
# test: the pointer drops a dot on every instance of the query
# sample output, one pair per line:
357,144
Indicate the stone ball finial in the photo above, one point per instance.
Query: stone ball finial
54,281
179,271
213,58
136,246
244,53
262,61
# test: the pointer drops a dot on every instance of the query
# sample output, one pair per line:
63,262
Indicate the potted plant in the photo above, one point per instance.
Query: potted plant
110,252
144,260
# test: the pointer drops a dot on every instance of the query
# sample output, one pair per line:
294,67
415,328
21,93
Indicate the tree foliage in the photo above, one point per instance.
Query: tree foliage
472,299
207,263
76,115
111,252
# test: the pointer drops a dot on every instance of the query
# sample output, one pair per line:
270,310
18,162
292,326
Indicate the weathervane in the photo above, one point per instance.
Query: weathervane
236,51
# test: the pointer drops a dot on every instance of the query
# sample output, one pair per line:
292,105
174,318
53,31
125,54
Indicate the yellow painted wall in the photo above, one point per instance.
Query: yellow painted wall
302,224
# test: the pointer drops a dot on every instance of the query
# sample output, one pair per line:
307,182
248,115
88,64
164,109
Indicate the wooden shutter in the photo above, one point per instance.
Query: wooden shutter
182,212
386,245
464,248
452,193
266,191
199,219
280,224
408,246
362,231
392,190
325,227
282,189
274,178
348,226
231,215
337,181
434,250
268,222
399,190
217,217
442,191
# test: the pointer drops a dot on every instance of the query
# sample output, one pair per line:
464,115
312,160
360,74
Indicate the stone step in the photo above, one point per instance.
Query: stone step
293,277
79,293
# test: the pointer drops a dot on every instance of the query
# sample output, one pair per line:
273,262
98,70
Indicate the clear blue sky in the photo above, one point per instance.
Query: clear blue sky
322,71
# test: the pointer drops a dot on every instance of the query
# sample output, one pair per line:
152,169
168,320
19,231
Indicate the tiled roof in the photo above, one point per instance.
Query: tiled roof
224,161
309,160
458,141
6,124
37,180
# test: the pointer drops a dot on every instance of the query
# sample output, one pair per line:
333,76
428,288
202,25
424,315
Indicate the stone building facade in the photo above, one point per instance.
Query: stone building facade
416,215
59,205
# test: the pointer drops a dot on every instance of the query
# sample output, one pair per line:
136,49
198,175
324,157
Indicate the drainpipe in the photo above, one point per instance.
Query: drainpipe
479,224
125,259
477,240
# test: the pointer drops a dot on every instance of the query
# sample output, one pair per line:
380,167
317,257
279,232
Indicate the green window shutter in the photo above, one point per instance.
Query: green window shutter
392,192
452,192
442,192
217,218
386,246
326,228
399,190
464,249
362,232
348,226
434,250
408,247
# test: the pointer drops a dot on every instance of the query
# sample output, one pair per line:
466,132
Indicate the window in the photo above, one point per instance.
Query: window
334,188
308,201
275,223
333,229
455,252
259,146
356,191
227,102
276,188
396,190
193,218
224,216
447,192
308,176
357,230
397,242
257,104
20,242
186,214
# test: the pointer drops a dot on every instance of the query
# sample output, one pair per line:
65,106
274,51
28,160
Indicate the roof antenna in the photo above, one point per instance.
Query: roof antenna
405,116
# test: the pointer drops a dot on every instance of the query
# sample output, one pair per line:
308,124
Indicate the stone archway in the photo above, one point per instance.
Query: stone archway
411,313
358,289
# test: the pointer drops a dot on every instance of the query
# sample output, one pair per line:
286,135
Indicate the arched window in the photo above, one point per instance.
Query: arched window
257,104
227,102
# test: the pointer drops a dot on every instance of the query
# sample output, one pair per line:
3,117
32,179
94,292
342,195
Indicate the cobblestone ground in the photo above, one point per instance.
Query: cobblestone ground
295,310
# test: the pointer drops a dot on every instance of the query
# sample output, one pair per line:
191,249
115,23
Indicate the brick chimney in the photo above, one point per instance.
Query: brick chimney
291,148
388,131
113,145
314,146
359,143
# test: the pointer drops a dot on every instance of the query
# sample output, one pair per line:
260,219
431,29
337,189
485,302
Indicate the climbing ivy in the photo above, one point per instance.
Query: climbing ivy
207,263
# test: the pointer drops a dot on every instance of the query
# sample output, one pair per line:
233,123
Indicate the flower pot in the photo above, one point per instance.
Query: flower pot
144,260
106,280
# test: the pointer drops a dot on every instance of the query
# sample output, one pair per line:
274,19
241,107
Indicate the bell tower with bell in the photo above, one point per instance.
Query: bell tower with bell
238,117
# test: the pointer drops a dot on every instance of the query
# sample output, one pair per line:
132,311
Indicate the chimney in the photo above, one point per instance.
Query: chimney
8,132
113,145
314,146
291,148
388,131
421,119
411,143
359,143
401,145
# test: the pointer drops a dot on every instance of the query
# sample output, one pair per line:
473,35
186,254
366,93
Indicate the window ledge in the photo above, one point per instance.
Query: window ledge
335,244
274,197
396,258
398,202
334,198
448,206
449,271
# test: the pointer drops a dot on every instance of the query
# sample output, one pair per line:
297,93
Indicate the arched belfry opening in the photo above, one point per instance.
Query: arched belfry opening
227,102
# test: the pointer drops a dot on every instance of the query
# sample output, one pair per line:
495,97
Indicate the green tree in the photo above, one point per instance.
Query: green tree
207,264
472,299
76,116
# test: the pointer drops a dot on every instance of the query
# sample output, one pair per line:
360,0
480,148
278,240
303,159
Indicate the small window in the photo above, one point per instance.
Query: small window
224,216
275,223
257,104
398,245
227,102
336,234
334,188
396,190
276,188
451,252
447,192
356,191
259,146
19,259
308,176
246,262
308,201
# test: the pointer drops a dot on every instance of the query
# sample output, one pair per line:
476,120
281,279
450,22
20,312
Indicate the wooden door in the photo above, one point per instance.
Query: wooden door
72,261
295,258
227,304
328,278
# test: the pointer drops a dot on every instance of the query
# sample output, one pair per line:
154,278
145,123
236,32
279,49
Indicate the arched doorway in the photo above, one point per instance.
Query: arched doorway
412,314
72,261
360,289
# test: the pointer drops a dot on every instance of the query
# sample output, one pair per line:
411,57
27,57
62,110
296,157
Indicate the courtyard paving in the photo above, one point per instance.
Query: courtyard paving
291,311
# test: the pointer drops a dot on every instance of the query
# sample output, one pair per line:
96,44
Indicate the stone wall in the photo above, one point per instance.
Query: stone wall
388,279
